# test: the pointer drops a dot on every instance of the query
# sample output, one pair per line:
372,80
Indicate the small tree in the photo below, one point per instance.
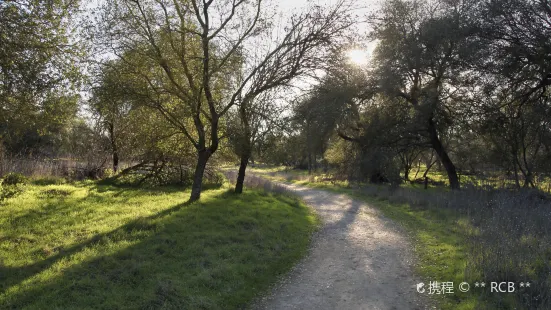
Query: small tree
194,48
112,109
249,125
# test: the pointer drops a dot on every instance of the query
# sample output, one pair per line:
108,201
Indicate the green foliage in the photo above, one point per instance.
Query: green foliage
281,149
108,173
39,74
49,180
338,152
10,191
14,178
11,185
86,245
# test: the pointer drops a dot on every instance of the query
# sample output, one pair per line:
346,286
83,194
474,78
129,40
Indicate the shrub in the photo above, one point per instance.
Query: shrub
9,191
163,174
49,180
213,177
108,173
14,178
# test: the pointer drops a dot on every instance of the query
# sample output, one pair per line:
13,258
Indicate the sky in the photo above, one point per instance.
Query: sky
285,7
290,4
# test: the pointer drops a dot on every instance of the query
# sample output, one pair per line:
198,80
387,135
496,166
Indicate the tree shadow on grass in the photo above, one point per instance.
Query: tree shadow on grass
134,190
55,208
56,205
109,185
10,276
191,256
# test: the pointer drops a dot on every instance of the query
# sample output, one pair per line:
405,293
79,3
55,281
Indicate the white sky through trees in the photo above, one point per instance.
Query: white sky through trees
283,9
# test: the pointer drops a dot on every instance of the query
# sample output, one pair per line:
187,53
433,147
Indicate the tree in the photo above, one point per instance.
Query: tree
192,50
332,106
306,44
347,104
519,134
517,49
512,94
421,53
112,107
121,110
408,156
38,71
252,121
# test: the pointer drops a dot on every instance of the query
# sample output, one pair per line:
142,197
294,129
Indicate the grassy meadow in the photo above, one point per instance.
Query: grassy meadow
86,245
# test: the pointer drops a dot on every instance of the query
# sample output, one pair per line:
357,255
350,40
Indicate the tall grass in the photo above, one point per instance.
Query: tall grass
44,167
509,239
257,182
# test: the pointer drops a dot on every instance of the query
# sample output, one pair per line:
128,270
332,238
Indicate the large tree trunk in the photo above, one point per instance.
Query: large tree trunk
114,149
443,155
241,174
115,161
246,145
202,158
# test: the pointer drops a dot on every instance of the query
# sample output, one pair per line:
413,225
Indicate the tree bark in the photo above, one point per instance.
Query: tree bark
241,174
115,161
247,144
202,158
309,162
425,178
418,169
528,180
407,168
114,149
443,155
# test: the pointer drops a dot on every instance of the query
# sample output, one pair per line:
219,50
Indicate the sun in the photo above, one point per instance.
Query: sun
358,57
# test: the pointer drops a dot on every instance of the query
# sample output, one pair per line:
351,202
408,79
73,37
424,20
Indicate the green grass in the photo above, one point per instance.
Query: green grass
440,245
84,245
439,237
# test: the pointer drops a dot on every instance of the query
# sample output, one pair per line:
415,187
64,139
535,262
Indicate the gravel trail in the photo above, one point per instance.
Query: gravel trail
358,260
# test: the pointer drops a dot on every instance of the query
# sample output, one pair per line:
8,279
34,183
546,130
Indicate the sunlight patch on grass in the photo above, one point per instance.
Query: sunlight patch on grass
87,245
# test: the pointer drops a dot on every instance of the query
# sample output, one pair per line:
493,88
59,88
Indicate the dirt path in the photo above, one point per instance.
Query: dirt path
358,260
